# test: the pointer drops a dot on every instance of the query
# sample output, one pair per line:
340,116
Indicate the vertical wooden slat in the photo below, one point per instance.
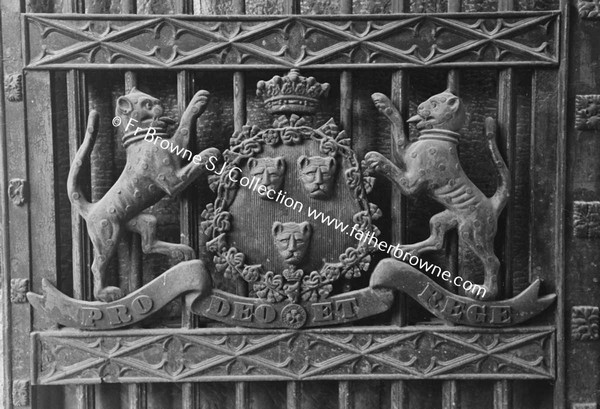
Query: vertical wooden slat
76,104
184,7
294,388
17,254
239,100
82,252
74,6
543,186
454,6
345,395
346,102
239,6
506,5
560,394
450,388
132,276
503,394
399,96
102,178
188,221
399,395
291,6
5,272
43,235
450,395
346,94
453,84
242,395
507,130
128,7
294,395
239,118
4,264
239,115
41,180
137,396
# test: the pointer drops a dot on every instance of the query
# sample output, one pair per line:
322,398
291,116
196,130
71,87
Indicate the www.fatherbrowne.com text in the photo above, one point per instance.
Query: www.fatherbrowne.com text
282,198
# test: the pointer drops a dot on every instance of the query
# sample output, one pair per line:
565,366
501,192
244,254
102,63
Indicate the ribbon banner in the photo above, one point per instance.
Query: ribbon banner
140,304
396,275
253,312
191,277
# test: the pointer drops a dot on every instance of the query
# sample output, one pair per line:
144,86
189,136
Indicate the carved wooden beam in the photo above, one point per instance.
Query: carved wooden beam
230,355
279,42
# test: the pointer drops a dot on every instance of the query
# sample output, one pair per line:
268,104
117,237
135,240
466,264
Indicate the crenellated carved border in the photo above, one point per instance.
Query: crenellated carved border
283,42
234,354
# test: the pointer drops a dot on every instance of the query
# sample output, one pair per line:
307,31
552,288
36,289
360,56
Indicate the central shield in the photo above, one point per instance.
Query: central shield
290,213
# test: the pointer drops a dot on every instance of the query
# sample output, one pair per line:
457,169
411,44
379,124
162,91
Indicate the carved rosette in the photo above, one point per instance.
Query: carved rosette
587,112
585,323
291,95
20,393
588,9
18,290
586,219
13,87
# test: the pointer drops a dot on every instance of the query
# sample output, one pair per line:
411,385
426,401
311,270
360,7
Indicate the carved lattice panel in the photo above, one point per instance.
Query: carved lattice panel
293,41
234,355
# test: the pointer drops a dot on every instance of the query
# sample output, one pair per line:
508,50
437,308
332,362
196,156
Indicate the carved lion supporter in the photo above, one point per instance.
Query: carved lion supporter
431,164
149,174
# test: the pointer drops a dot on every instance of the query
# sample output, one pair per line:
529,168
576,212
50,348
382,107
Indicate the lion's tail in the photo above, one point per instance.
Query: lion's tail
503,190
76,195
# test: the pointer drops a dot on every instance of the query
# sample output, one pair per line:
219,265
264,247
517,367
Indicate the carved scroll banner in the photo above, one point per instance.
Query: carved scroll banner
394,274
184,277
253,312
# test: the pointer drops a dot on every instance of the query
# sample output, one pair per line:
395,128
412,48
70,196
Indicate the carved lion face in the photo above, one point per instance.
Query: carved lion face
441,111
269,171
317,175
292,240
144,108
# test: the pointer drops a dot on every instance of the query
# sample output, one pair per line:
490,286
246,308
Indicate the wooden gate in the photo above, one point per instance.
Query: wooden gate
62,59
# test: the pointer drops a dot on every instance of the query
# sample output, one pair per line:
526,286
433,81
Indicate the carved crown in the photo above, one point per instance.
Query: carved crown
292,94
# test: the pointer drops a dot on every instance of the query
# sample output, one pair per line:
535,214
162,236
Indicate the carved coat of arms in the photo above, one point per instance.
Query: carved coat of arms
269,226
282,230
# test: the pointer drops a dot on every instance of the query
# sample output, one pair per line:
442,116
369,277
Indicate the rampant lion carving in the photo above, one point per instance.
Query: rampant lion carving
150,172
431,164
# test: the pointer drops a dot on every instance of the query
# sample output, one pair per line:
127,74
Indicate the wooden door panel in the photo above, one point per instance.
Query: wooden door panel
510,66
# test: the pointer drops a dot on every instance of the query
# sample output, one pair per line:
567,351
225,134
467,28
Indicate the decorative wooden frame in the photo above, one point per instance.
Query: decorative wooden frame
37,86
237,354
332,42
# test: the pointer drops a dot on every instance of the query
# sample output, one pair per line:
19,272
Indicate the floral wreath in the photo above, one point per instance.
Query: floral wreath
291,284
